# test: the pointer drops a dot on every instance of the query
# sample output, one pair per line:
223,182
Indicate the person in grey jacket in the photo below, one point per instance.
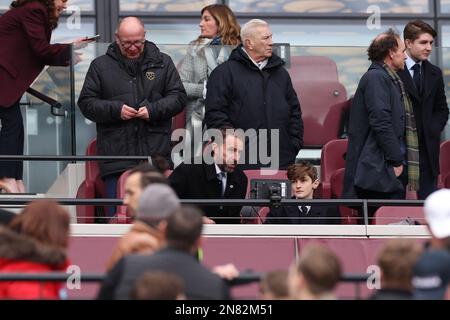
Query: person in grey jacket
219,36
378,151
131,93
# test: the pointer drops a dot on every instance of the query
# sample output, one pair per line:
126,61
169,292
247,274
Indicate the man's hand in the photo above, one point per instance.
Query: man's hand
127,113
398,170
143,113
226,271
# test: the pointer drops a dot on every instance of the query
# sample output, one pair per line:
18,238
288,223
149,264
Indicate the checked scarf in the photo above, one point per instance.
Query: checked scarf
412,142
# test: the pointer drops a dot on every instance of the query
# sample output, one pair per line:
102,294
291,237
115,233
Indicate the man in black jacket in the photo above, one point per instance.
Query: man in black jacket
182,235
377,148
131,93
216,179
252,90
425,85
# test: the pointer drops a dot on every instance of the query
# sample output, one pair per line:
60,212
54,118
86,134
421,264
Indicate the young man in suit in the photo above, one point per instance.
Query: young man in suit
200,179
304,182
425,86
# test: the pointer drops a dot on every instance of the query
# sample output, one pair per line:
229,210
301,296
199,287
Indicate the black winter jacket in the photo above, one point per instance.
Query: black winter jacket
242,96
108,87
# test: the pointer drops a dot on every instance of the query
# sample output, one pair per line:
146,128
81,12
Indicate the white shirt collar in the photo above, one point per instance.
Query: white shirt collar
260,65
218,169
410,62
307,208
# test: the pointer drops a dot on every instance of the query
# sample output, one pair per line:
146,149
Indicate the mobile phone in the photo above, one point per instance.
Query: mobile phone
93,38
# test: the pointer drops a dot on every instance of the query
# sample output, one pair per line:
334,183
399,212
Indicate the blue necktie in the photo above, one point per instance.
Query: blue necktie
223,182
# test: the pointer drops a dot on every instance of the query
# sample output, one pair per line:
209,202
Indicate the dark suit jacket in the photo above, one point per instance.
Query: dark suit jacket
430,110
25,49
375,135
316,215
199,282
199,181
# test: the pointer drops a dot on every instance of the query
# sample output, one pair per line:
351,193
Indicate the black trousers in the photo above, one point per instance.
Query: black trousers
427,181
11,141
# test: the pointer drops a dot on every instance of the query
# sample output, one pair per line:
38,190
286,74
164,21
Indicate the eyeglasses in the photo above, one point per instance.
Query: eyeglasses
128,44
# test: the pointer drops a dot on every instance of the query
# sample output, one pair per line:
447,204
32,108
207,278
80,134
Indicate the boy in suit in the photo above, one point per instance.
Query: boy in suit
304,182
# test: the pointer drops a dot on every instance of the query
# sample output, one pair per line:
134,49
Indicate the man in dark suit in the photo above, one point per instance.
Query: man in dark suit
214,178
304,181
377,147
425,86
182,234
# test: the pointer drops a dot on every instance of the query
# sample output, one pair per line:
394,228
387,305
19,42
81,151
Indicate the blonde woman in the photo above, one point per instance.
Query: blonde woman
220,34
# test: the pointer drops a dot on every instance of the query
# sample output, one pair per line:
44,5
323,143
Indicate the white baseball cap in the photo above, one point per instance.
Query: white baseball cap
437,213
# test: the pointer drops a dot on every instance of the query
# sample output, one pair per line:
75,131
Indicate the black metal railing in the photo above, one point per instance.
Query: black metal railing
246,277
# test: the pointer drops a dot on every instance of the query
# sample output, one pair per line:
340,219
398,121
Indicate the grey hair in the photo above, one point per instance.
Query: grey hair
248,30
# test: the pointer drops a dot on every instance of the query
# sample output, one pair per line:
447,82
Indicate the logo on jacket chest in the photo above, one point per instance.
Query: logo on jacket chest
150,75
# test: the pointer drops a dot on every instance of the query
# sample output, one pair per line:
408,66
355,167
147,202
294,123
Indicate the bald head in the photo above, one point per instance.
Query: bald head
130,37
130,24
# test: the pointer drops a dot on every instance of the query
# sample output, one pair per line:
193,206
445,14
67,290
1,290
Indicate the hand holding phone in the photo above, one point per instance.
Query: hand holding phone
93,38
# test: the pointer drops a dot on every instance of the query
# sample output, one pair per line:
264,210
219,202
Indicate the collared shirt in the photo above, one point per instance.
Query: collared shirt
307,209
260,64
409,62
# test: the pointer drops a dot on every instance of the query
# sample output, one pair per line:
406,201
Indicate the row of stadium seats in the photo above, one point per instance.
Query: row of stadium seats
331,175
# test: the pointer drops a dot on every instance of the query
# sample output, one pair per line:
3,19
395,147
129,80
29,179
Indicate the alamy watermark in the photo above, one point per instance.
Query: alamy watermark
374,279
261,147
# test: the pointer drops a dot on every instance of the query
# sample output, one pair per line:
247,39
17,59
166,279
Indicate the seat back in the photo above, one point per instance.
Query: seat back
313,68
91,188
322,109
316,81
348,215
332,159
394,215
444,160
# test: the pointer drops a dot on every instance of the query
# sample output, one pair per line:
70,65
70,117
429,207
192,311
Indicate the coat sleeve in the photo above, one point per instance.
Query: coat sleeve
378,103
440,108
187,68
218,96
34,25
91,105
174,96
295,120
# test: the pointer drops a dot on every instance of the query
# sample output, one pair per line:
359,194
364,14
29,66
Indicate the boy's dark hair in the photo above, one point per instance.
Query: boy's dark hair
382,44
298,171
415,28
